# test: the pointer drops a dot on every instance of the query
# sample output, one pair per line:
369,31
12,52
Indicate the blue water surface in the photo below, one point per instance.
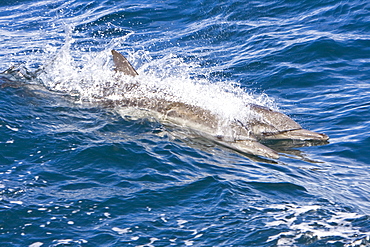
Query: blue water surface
78,173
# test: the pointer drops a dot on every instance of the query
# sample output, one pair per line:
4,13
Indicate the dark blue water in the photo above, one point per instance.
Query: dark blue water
74,172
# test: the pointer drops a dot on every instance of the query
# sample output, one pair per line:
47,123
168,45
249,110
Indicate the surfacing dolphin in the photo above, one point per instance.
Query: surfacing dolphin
244,136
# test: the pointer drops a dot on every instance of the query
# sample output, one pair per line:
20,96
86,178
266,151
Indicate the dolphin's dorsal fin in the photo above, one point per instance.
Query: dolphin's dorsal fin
122,64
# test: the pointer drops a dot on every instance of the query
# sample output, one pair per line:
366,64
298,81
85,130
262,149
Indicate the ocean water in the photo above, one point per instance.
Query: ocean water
75,171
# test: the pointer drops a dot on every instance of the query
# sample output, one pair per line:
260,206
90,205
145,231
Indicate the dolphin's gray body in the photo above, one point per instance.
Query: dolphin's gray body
245,137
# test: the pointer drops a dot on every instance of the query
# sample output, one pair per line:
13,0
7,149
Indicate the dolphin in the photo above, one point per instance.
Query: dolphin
243,137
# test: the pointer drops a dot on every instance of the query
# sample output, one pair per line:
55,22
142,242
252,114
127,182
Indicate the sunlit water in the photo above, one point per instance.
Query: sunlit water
75,172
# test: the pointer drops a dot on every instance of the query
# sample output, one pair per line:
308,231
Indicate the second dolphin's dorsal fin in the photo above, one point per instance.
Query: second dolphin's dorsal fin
122,64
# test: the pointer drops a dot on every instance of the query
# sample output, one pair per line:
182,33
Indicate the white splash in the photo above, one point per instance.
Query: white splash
121,230
17,202
36,244
338,225
89,77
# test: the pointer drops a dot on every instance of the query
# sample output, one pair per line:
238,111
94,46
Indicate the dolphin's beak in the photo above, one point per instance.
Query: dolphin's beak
299,134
